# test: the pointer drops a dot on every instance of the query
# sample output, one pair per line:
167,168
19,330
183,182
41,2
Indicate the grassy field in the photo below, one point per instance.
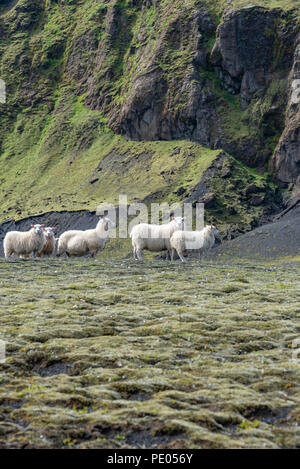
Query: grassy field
117,354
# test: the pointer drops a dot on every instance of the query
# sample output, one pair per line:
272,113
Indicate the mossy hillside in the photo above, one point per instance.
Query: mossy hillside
64,151
51,144
110,355
131,39
46,135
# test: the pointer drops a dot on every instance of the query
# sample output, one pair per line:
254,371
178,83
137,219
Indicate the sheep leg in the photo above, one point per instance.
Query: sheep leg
139,254
172,254
8,253
181,256
201,256
59,252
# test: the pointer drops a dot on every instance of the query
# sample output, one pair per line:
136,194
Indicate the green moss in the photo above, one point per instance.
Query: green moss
109,354
232,117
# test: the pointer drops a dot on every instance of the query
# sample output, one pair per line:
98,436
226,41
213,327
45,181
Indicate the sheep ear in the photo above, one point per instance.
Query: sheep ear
173,218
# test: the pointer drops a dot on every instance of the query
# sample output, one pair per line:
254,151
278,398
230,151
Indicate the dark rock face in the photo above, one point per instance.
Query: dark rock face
158,106
180,191
257,199
254,48
161,102
209,200
252,189
144,115
171,78
287,154
244,54
141,116
253,53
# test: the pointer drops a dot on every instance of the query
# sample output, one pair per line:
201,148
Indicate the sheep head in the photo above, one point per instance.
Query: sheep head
37,229
179,222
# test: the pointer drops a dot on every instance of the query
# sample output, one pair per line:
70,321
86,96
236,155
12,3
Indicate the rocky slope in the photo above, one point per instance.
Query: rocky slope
159,99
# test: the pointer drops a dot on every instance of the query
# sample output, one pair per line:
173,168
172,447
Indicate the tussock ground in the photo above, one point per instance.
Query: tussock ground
151,355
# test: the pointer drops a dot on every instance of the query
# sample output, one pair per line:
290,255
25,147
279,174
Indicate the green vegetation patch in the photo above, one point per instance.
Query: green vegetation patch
70,160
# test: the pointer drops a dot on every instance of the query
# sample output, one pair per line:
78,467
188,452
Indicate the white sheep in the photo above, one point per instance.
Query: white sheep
80,243
24,244
49,246
200,241
154,237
